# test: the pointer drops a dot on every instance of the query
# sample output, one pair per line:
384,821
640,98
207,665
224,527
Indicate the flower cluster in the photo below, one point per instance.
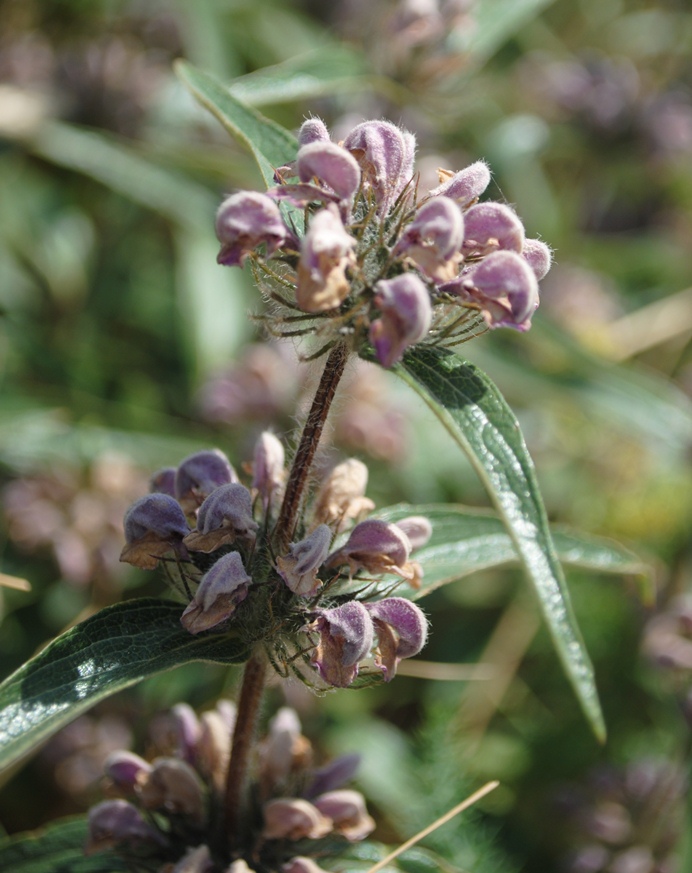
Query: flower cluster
166,811
376,261
215,535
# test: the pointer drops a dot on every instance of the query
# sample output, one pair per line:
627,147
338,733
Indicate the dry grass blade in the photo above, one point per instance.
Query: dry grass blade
15,582
465,804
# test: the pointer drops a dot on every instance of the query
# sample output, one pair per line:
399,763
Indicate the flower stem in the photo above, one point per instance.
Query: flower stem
298,477
249,703
254,677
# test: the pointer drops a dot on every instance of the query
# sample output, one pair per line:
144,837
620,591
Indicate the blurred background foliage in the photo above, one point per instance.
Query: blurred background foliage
123,347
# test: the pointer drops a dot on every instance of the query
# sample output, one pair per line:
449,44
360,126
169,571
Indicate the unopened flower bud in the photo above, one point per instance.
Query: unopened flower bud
126,769
199,475
418,530
175,733
293,819
345,638
114,822
154,526
221,590
433,239
538,256
326,253
244,221
466,186
239,866
402,631
214,748
313,130
194,861
300,566
173,786
163,481
332,165
491,226
342,495
299,864
375,546
506,289
226,515
346,808
406,314
333,775
268,466
385,154
284,751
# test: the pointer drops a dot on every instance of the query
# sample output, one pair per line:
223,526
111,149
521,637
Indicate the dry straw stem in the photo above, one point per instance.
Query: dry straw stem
442,672
15,582
465,804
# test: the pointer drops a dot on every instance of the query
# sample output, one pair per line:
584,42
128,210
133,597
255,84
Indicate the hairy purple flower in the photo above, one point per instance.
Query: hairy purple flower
126,770
345,638
268,466
313,130
346,808
332,165
466,186
154,526
173,786
117,821
226,515
417,528
299,567
199,475
333,775
163,481
538,256
375,546
299,864
433,239
402,631
289,818
176,732
491,226
405,317
505,288
245,220
221,590
385,154
326,253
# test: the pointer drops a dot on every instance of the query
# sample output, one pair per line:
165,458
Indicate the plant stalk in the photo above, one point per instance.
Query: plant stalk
255,673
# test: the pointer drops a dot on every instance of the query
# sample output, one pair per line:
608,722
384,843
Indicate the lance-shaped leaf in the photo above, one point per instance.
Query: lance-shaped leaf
57,849
115,648
477,417
271,145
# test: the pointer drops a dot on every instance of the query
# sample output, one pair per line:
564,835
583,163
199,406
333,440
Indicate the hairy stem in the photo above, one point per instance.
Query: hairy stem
249,703
300,470
255,673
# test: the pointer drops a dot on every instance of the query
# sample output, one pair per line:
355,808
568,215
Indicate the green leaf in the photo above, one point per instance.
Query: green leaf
57,849
271,145
465,541
327,70
116,648
496,21
477,417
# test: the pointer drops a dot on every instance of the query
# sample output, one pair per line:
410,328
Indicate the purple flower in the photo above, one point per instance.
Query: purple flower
538,256
218,595
173,786
268,466
434,237
126,769
505,288
117,821
466,186
299,567
245,220
406,314
492,226
154,526
326,253
163,481
385,154
346,808
313,130
402,631
289,818
345,638
332,165
376,546
199,475
417,528
226,515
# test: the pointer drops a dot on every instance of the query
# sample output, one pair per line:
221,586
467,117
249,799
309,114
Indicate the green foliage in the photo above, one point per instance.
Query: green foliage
115,648
57,849
477,417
